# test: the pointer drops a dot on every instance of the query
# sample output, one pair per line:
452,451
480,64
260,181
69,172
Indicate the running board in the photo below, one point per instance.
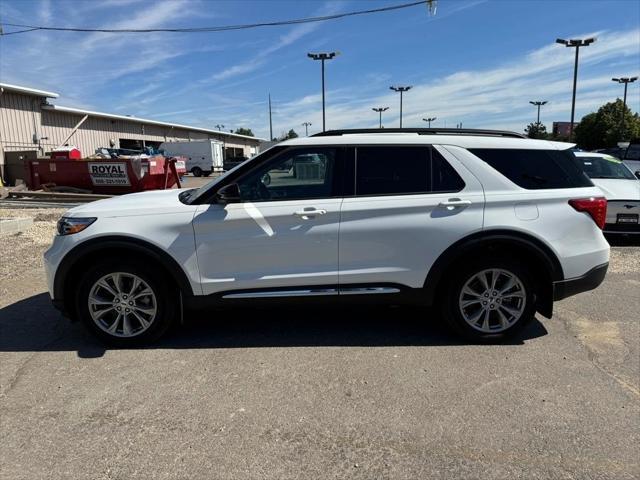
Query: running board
310,292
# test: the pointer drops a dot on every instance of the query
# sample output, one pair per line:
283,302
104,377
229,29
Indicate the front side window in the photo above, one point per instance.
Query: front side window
400,170
536,169
605,166
295,174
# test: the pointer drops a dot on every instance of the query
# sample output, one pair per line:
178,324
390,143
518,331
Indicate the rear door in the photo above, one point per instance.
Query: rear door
409,204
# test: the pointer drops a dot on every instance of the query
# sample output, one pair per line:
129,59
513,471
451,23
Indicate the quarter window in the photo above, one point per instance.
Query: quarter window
403,171
536,169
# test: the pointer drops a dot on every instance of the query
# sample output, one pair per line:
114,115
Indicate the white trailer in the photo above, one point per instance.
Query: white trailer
203,156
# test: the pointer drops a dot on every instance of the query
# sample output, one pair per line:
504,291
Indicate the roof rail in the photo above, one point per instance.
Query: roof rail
424,131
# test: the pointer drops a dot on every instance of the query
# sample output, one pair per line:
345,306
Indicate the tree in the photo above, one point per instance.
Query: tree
603,129
285,136
536,130
245,131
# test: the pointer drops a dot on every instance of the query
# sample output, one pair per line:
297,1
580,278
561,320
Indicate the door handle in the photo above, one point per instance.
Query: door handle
455,202
305,214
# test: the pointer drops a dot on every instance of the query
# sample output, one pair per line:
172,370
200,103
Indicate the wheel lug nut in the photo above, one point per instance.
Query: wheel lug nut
126,309
486,294
484,303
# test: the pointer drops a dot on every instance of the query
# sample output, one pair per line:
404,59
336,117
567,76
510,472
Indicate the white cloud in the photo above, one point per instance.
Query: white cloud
295,34
492,97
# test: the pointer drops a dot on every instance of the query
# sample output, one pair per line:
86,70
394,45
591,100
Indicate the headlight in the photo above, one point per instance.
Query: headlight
67,226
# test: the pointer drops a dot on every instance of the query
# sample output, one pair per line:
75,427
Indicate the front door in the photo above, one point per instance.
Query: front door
282,238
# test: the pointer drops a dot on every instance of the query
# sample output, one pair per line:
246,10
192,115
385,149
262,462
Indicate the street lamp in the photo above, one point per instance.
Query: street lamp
626,81
322,57
401,90
306,128
538,104
380,110
575,43
429,120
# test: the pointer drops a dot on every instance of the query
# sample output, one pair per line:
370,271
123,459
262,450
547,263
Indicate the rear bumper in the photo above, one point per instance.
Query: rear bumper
588,281
628,229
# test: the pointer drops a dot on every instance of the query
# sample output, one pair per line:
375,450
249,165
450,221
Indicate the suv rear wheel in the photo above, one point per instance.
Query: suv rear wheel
123,303
489,300
196,171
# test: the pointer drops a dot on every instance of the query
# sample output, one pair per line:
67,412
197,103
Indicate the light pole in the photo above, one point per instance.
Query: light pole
429,120
401,90
575,43
380,110
538,104
219,127
626,81
322,57
306,128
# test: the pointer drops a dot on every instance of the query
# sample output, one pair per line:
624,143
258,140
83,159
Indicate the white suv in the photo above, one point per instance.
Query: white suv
490,226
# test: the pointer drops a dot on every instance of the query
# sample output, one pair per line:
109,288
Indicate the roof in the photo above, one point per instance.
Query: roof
465,141
78,111
58,108
28,91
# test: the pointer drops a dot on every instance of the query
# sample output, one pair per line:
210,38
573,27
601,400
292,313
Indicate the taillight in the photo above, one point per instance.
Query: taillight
594,206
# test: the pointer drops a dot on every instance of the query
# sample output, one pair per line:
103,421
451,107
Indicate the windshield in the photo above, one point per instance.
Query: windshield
605,166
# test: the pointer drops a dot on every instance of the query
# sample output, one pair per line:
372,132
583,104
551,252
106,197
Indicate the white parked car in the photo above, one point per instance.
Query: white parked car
489,226
621,188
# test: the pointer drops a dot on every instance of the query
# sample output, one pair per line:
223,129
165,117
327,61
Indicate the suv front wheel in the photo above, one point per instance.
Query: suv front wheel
489,300
124,304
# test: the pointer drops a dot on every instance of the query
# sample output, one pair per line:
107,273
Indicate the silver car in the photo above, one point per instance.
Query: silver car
621,188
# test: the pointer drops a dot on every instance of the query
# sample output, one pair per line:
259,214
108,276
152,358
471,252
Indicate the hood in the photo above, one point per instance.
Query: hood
618,189
153,202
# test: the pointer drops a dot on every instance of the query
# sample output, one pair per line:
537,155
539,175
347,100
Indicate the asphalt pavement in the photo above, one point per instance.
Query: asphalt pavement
325,393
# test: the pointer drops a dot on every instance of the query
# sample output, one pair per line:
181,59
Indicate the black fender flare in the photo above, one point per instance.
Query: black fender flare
536,247
113,242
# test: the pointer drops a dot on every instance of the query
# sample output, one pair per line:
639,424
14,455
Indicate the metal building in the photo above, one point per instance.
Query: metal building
30,126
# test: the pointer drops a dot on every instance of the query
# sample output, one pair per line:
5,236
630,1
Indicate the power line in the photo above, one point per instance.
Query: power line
223,28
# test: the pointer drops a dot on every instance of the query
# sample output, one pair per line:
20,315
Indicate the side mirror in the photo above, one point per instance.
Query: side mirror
638,174
228,194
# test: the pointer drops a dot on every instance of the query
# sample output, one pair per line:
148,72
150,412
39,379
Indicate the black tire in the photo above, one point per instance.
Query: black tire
196,171
166,301
452,310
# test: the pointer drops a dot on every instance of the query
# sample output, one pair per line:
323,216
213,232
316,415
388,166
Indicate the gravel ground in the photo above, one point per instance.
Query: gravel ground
25,249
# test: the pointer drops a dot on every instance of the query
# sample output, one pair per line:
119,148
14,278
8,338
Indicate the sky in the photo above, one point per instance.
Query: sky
475,62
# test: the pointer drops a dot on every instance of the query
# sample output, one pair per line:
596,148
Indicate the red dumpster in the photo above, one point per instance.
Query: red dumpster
111,176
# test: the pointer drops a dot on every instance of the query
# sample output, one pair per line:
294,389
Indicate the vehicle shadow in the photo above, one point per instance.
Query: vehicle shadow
34,325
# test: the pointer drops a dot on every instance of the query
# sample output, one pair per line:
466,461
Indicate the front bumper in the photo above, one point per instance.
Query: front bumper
572,286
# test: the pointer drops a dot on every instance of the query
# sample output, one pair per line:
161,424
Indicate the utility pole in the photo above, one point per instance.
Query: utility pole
322,57
626,81
380,110
306,128
401,90
219,127
575,43
270,121
538,104
429,120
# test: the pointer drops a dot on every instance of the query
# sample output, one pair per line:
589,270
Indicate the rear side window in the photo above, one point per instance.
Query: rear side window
536,169
403,171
